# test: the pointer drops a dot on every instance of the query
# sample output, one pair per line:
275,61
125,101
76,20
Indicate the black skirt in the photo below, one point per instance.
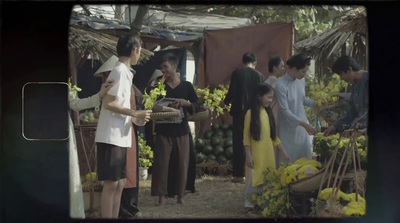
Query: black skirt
111,162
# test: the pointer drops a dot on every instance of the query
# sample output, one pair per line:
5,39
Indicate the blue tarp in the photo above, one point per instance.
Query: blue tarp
192,24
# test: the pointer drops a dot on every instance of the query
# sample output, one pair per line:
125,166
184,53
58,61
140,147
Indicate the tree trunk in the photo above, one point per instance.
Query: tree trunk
86,10
136,25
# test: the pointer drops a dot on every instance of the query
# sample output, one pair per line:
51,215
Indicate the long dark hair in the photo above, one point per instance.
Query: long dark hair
255,122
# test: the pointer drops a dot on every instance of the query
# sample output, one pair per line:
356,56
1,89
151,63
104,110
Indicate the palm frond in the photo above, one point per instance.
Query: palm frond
99,45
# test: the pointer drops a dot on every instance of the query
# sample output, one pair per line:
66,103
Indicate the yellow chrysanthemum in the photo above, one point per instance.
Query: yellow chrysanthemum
352,197
266,212
327,192
91,176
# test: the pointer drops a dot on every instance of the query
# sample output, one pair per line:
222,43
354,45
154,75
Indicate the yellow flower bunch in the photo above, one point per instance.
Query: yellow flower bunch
73,88
352,197
304,161
145,153
327,192
299,170
355,208
90,181
91,176
326,94
214,99
150,99
272,201
325,145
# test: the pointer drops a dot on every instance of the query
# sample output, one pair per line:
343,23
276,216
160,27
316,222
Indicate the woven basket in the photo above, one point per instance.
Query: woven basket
162,115
199,116
89,123
322,210
308,184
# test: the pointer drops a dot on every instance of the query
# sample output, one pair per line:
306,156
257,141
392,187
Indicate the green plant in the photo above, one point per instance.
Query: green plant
145,152
273,200
150,99
214,99
73,88
325,145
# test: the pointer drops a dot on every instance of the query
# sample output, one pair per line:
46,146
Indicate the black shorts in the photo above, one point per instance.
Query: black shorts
111,162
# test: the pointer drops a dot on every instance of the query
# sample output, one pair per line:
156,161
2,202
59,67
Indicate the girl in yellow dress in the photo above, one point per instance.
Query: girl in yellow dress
259,139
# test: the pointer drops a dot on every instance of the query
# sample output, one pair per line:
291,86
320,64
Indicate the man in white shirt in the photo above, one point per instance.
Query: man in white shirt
114,132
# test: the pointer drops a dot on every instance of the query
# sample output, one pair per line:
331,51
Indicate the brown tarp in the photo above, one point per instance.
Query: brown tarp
223,50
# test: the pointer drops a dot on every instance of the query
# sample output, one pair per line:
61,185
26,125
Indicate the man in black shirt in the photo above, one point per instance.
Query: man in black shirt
173,137
240,93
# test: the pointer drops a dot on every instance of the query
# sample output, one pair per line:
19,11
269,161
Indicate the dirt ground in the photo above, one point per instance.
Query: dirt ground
216,197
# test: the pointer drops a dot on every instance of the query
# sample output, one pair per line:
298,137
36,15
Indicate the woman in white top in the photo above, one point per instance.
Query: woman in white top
75,188
294,129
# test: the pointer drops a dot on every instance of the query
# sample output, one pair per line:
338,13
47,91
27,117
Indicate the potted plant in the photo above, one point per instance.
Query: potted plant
145,157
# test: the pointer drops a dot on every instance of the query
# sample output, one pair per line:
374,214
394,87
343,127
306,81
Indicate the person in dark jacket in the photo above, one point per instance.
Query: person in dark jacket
241,88
173,137
349,71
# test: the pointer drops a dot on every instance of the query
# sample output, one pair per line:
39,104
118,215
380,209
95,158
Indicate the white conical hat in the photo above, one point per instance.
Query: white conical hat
157,73
107,66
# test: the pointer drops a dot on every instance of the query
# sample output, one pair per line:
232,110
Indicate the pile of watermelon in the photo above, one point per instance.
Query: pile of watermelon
216,144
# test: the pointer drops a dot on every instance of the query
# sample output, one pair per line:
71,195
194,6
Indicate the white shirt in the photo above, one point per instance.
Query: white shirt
114,128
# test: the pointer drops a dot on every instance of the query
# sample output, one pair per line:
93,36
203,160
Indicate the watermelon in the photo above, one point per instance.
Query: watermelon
200,157
216,126
229,152
208,134
211,157
218,150
215,141
224,126
207,149
221,159
228,142
199,144
228,133
219,133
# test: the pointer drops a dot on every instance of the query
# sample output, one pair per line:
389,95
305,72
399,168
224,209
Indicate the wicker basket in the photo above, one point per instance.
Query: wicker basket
323,210
163,115
199,116
89,123
309,183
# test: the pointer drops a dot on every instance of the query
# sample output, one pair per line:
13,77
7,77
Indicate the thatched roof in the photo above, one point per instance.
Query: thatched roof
86,41
351,26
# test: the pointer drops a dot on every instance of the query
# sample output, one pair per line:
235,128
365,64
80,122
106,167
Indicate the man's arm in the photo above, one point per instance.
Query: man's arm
232,88
111,104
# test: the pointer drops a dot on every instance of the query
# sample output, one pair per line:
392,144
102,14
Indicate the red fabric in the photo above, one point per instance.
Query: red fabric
223,50
131,164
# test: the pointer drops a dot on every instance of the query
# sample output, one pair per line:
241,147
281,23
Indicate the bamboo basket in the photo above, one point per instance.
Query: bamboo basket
309,183
331,210
200,116
163,115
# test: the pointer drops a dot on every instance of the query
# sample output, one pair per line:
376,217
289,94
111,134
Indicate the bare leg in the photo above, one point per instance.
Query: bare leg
107,195
117,197
161,201
180,200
